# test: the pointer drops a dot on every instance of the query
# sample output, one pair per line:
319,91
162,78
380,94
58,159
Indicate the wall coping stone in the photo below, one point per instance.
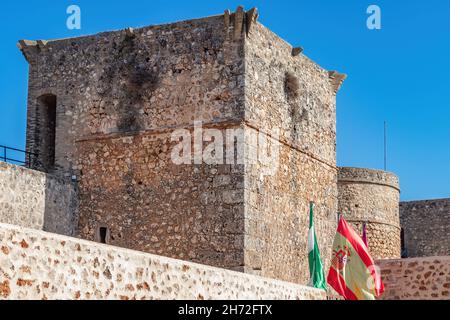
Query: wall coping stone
368,176
194,281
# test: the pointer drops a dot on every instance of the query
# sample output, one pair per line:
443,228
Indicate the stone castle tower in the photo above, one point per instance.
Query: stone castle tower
372,197
101,112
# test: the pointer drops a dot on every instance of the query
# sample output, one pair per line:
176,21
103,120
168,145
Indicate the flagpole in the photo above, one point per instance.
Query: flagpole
317,275
385,145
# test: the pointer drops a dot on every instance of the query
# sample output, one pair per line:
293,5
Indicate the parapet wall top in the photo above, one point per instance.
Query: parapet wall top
42,43
296,51
227,16
27,47
242,20
336,80
22,44
251,17
238,22
129,32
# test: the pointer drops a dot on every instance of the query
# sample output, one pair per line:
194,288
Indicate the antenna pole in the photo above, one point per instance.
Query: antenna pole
385,146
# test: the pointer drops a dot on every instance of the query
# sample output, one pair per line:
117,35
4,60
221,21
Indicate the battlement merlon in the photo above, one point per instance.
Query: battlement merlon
28,48
337,79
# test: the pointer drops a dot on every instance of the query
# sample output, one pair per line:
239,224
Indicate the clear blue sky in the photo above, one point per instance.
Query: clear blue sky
400,74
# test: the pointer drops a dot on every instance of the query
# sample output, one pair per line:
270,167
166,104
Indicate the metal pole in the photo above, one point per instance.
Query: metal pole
385,146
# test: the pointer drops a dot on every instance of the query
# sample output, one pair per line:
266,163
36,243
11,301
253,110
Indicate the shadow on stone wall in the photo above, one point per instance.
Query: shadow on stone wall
61,206
34,199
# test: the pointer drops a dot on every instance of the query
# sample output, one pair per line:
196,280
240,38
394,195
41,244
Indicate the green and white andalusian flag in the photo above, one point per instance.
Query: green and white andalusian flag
316,273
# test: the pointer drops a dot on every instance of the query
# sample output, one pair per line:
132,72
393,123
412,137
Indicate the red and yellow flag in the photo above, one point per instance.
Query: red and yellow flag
353,273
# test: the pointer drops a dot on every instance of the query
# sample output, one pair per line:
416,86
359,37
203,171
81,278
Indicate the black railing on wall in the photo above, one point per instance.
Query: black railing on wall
17,156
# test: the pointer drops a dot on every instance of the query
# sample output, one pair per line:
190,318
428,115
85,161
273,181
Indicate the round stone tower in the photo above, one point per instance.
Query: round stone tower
372,197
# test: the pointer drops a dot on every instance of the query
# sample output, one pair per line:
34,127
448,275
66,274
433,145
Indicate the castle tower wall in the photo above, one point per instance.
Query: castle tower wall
291,99
37,200
426,226
372,197
121,95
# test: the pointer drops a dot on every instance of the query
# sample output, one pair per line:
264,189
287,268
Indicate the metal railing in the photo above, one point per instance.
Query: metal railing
27,157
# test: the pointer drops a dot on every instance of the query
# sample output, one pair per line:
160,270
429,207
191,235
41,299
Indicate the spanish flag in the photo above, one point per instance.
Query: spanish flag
353,273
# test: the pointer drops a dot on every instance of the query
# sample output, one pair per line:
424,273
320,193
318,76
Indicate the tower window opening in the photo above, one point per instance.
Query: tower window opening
45,135
404,250
103,232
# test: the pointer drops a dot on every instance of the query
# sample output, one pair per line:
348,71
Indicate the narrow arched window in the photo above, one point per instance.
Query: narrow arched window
46,130
403,244
103,235
103,232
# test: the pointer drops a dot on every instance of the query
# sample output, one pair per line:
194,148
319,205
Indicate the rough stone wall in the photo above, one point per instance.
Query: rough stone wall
61,213
113,131
189,212
426,227
372,196
416,279
156,78
37,200
291,99
39,265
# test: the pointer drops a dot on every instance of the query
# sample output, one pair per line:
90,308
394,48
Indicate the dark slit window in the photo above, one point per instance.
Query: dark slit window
403,245
102,233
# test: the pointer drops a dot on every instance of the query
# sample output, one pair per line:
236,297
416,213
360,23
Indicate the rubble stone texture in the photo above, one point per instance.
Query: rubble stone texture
101,113
372,197
118,97
416,278
426,227
37,200
294,95
38,265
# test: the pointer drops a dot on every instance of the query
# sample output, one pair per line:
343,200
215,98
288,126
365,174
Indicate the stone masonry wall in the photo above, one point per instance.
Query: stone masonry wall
426,227
373,197
301,118
155,78
39,265
189,212
113,131
416,279
37,200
